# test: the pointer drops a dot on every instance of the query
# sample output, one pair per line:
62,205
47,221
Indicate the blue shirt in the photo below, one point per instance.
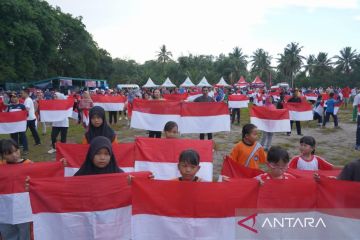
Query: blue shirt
331,105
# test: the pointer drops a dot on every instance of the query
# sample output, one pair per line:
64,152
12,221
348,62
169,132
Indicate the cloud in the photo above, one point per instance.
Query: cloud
357,18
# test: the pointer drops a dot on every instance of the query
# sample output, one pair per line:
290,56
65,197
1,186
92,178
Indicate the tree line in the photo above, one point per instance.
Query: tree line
38,41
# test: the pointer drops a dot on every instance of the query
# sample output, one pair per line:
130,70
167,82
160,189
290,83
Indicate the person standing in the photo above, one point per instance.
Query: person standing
356,104
205,98
29,105
295,99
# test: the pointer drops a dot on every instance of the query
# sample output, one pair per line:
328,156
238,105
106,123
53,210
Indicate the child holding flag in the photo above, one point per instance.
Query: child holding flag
171,130
189,165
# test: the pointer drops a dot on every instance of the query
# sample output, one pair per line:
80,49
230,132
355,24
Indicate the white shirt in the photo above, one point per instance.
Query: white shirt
29,104
63,123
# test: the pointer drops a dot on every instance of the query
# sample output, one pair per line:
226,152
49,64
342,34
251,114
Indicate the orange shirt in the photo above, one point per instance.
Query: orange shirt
241,152
24,161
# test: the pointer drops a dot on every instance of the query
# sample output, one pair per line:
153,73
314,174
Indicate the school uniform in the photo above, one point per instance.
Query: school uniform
248,155
314,164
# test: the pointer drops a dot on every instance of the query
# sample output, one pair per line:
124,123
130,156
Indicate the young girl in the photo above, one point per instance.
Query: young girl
277,163
171,130
100,158
98,126
248,152
188,166
59,127
307,160
10,152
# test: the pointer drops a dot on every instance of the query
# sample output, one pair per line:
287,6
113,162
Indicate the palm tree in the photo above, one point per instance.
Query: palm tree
323,64
310,65
163,55
261,61
346,60
290,61
238,63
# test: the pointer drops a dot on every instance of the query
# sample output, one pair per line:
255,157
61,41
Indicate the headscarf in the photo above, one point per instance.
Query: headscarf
103,130
88,167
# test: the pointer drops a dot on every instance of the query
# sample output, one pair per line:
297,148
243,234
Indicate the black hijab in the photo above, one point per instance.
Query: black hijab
103,130
88,167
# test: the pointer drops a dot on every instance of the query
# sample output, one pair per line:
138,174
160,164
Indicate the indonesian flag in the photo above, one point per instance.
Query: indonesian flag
85,117
244,210
193,95
238,101
204,117
270,120
84,207
14,200
13,122
176,97
299,111
161,156
337,107
311,96
75,155
108,102
153,115
55,110
75,114
275,95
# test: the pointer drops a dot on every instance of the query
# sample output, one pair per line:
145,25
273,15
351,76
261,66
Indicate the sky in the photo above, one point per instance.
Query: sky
136,29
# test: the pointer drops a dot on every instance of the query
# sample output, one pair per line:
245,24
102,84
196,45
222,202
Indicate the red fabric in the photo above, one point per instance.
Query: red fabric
233,170
268,113
7,117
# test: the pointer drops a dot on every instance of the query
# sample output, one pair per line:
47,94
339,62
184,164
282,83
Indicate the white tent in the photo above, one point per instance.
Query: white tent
168,83
150,84
203,83
222,83
187,83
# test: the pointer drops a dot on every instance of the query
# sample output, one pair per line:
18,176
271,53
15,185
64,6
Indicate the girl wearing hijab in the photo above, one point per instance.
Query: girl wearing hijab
100,158
98,126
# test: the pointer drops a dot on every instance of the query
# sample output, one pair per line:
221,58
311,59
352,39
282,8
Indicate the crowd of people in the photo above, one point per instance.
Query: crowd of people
250,153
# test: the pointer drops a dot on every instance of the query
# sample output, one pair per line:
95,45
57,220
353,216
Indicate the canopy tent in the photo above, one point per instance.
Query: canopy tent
168,83
187,83
150,84
242,83
257,82
204,83
222,83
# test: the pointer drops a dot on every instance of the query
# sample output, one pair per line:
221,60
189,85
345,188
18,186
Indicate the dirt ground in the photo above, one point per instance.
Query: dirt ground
335,145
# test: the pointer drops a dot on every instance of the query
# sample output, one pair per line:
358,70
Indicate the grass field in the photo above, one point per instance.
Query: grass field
335,145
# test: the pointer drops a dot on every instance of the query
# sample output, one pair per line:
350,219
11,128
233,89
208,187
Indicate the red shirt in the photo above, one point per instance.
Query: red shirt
316,163
267,176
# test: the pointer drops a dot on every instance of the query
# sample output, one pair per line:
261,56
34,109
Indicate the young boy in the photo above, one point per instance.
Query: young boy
277,163
188,166
248,152
330,110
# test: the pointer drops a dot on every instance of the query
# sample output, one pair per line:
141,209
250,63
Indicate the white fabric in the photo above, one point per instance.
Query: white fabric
301,116
70,171
111,106
205,124
187,83
29,104
15,208
13,127
268,125
63,123
153,122
150,84
168,83
55,115
238,104
203,83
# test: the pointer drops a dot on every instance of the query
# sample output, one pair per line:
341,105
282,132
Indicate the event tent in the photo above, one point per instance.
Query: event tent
257,82
242,83
222,83
204,83
187,83
168,83
150,84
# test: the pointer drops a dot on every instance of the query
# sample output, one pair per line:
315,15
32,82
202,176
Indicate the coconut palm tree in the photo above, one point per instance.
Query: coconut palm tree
310,65
261,61
323,64
238,63
163,55
346,60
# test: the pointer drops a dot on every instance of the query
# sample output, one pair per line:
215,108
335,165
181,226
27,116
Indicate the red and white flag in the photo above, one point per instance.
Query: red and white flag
55,110
176,97
244,210
337,107
270,120
109,103
161,156
238,101
84,207
160,212
153,115
311,96
75,155
204,117
300,111
13,122
14,200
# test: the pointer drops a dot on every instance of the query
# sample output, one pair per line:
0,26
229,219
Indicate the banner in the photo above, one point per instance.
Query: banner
191,117
109,103
270,120
238,101
56,110
75,155
13,122
300,111
14,200
86,207
161,156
